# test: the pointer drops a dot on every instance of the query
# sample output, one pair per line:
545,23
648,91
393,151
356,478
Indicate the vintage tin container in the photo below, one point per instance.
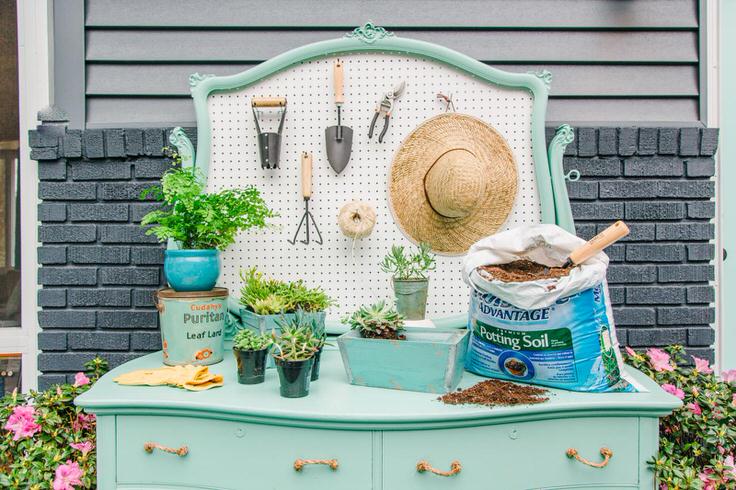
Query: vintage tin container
429,360
192,325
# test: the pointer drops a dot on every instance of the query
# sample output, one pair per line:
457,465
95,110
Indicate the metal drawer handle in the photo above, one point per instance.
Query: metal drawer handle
455,468
605,452
150,446
301,463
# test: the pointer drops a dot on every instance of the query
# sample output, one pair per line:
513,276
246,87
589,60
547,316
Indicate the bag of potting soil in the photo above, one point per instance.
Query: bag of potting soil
552,331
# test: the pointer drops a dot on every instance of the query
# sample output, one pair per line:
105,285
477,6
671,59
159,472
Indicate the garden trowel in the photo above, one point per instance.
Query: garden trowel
339,139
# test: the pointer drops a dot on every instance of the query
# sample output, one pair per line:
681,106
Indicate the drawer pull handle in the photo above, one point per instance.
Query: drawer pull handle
455,468
605,452
150,446
301,463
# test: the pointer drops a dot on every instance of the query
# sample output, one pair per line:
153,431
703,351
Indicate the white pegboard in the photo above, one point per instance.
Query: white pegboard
349,271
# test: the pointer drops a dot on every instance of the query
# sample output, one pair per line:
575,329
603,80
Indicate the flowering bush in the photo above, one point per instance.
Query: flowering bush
697,442
46,442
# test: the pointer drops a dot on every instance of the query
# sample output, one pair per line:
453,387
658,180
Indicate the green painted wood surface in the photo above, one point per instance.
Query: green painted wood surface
240,435
334,403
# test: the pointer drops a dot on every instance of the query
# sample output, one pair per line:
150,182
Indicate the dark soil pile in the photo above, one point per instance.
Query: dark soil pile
494,392
524,270
386,334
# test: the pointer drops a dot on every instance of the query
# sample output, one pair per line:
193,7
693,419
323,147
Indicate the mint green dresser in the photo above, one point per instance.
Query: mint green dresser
243,437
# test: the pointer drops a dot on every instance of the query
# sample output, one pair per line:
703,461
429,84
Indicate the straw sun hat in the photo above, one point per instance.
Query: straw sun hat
452,182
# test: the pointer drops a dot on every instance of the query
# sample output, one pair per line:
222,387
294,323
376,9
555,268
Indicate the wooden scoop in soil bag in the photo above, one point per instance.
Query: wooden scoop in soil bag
339,139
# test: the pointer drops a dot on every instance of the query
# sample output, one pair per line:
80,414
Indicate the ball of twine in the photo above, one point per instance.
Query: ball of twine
356,219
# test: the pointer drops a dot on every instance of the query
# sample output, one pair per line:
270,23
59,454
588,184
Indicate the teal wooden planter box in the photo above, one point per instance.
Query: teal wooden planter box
429,360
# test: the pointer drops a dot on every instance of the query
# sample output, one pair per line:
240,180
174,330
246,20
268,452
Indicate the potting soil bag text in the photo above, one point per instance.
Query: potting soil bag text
553,332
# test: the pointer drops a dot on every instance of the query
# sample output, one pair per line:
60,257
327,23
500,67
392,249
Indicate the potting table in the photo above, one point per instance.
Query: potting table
239,436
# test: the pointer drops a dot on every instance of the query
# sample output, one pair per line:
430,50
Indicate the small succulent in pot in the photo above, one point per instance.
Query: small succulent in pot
201,223
410,281
377,321
250,351
319,336
294,350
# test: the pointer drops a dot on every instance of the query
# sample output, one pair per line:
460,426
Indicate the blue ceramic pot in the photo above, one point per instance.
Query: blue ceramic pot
192,270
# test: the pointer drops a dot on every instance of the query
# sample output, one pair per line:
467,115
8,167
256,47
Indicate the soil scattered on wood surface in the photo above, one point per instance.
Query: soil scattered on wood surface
495,392
523,270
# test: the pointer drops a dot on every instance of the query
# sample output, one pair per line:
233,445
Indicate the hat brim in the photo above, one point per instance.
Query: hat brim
408,199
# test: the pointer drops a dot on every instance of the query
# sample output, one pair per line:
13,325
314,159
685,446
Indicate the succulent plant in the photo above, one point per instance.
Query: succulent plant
378,320
266,296
247,340
403,265
297,340
270,305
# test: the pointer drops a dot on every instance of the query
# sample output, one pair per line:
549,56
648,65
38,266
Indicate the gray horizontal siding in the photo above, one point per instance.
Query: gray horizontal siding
612,60
393,13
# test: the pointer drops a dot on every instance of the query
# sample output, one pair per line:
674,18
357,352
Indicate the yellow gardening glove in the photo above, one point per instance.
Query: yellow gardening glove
193,378
149,377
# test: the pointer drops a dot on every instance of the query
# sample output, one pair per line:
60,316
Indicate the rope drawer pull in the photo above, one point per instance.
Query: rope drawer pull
605,452
455,468
150,446
301,463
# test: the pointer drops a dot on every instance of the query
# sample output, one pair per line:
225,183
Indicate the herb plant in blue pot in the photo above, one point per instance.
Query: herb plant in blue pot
200,224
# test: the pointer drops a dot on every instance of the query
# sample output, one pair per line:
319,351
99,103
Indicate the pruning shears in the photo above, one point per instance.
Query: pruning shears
385,107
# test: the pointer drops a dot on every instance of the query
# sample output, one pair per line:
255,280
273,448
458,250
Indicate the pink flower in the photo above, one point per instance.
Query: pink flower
704,476
701,365
68,476
660,360
630,351
84,421
80,379
733,400
695,408
730,474
85,446
22,422
729,376
673,390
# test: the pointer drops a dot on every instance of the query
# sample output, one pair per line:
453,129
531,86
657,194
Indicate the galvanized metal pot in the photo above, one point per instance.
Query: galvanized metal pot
411,297
315,365
294,377
192,270
251,365
192,325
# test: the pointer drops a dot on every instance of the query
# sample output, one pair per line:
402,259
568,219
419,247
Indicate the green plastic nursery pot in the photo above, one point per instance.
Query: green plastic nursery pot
315,365
411,297
251,365
294,377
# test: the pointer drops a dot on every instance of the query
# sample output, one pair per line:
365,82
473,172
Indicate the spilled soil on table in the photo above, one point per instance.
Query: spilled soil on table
495,392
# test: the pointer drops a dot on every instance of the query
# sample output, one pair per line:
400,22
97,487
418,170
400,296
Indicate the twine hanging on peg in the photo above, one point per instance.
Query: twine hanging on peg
447,101
356,220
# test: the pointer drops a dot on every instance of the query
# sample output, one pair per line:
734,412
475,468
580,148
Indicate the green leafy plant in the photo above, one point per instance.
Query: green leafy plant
247,340
697,442
266,296
201,220
297,340
46,440
378,320
403,265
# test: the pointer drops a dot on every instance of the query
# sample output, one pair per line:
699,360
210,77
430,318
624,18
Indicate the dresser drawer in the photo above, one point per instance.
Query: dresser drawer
515,456
233,455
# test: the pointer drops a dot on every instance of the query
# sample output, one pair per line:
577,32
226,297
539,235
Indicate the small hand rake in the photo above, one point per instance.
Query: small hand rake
307,194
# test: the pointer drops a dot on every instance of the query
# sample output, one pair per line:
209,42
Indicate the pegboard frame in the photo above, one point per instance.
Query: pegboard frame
555,207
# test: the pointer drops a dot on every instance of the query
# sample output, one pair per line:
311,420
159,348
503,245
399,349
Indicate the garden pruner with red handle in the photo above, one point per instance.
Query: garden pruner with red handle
385,107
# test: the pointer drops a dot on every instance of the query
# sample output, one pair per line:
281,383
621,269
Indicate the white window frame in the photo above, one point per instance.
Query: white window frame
34,81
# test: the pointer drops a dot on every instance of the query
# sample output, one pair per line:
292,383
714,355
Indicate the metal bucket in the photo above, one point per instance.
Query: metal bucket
411,297
192,325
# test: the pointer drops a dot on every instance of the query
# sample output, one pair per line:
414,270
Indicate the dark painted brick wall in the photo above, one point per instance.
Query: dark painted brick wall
98,269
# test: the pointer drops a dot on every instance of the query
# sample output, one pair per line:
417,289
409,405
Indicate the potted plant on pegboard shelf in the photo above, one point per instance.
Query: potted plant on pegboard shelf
294,350
250,351
409,277
200,224
379,351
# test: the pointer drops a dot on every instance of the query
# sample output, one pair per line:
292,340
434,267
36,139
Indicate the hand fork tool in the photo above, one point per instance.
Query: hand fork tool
307,194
